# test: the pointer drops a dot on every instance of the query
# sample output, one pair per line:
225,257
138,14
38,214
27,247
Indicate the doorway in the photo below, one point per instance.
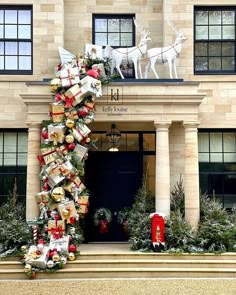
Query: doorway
112,179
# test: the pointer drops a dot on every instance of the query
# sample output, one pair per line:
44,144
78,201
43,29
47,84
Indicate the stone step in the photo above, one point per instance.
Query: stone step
160,263
10,265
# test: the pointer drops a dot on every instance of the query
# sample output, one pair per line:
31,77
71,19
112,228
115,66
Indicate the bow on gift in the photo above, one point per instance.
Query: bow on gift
57,137
103,226
57,232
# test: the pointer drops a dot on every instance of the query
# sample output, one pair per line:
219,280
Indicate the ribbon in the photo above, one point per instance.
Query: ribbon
69,100
41,160
103,226
70,77
43,198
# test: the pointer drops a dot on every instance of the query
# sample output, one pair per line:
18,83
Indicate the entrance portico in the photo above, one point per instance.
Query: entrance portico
150,106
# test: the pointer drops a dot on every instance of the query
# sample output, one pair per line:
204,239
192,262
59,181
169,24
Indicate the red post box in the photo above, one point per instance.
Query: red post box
158,227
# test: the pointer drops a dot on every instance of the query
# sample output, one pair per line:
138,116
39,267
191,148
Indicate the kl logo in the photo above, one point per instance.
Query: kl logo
115,95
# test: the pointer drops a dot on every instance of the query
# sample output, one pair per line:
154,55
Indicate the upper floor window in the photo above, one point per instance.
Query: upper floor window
215,40
15,39
116,30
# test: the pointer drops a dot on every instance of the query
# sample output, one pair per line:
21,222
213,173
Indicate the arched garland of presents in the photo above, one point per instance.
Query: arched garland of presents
64,198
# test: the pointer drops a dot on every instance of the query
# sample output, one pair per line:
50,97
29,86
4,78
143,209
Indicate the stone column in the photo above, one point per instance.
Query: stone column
191,175
162,181
33,170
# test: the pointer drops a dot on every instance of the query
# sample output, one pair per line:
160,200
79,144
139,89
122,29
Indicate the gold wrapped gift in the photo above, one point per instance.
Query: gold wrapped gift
56,228
67,210
49,154
74,95
83,202
75,184
57,112
42,197
71,114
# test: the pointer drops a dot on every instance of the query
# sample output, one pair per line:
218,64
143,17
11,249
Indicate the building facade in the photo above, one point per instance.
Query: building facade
170,128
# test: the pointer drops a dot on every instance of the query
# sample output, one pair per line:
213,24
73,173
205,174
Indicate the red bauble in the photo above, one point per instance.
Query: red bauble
44,133
57,216
72,220
33,275
71,146
38,252
83,111
72,248
45,187
40,241
52,253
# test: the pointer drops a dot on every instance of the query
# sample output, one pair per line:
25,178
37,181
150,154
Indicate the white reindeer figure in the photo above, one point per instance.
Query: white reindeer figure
166,54
133,54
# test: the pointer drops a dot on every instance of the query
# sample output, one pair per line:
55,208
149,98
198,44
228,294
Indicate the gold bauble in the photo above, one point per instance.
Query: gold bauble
65,212
58,194
71,256
69,138
55,84
23,248
70,123
55,258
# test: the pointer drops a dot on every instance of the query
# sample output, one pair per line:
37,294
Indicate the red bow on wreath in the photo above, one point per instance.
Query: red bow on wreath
103,226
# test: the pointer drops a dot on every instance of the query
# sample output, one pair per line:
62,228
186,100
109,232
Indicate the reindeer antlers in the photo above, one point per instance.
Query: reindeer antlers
171,24
140,28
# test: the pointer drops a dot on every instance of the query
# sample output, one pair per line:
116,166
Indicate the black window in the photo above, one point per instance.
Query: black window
15,39
214,40
217,165
116,30
13,163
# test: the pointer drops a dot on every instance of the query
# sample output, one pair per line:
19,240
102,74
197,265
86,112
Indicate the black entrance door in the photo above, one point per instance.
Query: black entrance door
112,179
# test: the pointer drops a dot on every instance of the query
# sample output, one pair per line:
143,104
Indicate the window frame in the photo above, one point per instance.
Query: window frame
210,41
18,40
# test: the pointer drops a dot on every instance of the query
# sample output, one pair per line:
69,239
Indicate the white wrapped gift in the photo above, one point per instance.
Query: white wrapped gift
36,260
61,244
80,151
56,133
91,85
80,132
70,76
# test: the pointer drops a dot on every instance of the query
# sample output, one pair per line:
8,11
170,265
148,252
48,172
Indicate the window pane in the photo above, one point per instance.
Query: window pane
24,62
101,39
1,62
1,31
10,16
203,142
228,17
100,25
229,142
1,47
132,142
10,142
24,32
201,49
113,25
24,48
11,62
228,49
201,32
215,142
11,48
1,16
149,142
214,17
214,32
113,39
203,157
215,49
9,159
126,25
24,17
216,157
201,64
228,32
230,158
201,17
214,64
228,64
22,159
1,142
22,142
10,31
126,39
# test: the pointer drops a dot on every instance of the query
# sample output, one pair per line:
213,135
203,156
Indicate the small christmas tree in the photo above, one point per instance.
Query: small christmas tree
14,231
139,222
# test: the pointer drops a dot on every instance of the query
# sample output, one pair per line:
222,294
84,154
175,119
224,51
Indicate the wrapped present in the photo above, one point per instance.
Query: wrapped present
67,210
61,244
71,114
70,76
80,151
90,85
42,197
73,96
37,258
56,133
90,105
53,169
49,154
56,228
53,180
93,51
62,150
89,118
101,69
80,132
74,185
83,202
68,169
57,112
